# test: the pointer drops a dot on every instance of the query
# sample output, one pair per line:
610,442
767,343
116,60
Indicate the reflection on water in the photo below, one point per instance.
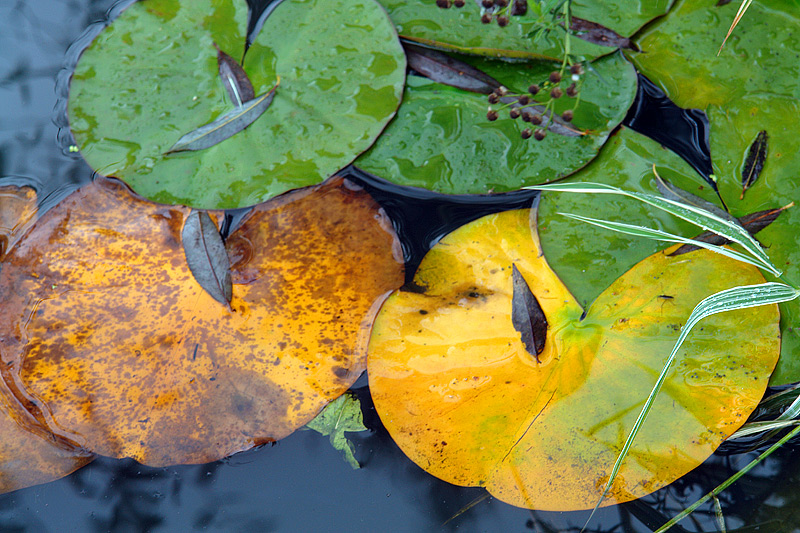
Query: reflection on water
301,483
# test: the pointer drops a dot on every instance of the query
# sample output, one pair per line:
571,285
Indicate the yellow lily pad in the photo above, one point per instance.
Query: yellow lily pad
463,398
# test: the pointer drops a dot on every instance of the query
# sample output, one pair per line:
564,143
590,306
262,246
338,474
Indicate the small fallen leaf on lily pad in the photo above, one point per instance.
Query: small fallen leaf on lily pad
456,388
206,256
341,415
105,329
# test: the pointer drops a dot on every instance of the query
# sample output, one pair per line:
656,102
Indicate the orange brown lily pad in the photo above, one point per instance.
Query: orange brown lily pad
111,344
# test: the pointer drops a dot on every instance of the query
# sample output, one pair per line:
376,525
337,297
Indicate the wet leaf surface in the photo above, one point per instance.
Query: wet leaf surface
461,29
152,76
206,256
750,87
106,331
754,164
442,68
589,258
753,223
18,210
234,78
598,34
671,192
226,126
441,139
460,394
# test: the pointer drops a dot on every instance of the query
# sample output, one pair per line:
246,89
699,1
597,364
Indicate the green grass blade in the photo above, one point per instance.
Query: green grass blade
695,215
658,235
754,428
728,482
727,300
739,14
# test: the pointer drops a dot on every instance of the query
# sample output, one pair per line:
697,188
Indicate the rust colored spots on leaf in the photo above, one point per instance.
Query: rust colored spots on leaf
17,214
127,356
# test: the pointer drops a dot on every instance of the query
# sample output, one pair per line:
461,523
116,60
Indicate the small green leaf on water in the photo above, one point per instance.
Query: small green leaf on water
754,163
226,126
206,256
340,416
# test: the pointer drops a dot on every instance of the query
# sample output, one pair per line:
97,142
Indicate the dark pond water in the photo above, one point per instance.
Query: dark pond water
302,483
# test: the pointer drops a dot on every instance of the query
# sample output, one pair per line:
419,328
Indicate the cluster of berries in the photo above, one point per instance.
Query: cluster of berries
498,10
446,4
521,104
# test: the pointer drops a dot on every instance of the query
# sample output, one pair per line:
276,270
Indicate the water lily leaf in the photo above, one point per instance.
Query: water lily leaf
226,126
234,78
753,223
527,315
152,76
743,91
588,258
461,30
340,416
441,139
18,210
206,256
462,397
754,164
105,328
442,68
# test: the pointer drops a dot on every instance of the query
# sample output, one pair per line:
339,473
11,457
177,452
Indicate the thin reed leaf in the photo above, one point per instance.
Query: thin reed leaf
695,215
727,300
754,428
739,14
730,481
658,235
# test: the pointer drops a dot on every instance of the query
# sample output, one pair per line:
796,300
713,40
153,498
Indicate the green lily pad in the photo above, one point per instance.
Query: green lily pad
752,86
461,29
588,258
441,139
151,77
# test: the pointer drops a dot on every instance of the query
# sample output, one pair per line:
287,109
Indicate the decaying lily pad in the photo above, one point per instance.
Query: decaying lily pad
152,76
442,141
752,86
17,213
460,394
108,334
